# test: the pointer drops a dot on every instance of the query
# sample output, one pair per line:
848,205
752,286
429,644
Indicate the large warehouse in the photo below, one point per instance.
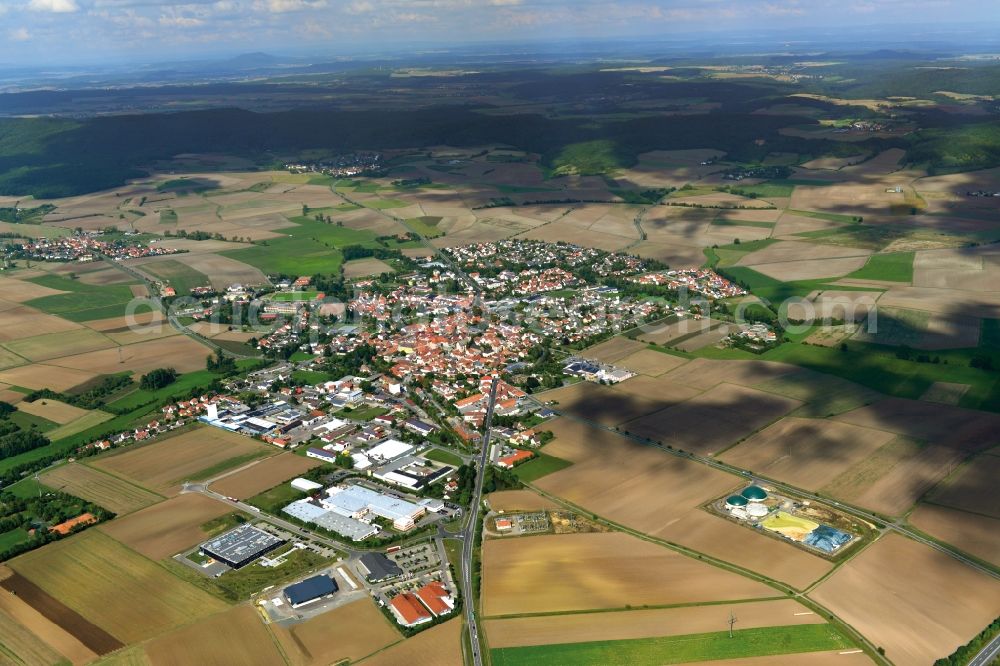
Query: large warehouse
240,546
310,590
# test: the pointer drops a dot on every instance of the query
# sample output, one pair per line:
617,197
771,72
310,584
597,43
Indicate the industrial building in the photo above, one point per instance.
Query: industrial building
363,504
240,546
305,485
351,528
389,450
411,472
378,567
310,590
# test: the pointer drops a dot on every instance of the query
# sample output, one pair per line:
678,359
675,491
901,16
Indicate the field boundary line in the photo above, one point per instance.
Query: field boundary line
629,609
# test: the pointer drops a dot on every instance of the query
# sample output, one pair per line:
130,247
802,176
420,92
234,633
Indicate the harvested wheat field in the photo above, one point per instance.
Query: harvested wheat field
665,393
644,488
365,267
264,474
713,420
808,453
19,622
623,625
973,487
798,251
918,612
55,345
179,352
650,362
41,376
704,373
895,476
94,575
966,429
23,322
168,527
9,359
745,547
438,646
52,410
976,534
811,269
566,572
663,334
19,646
349,632
235,637
612,350
519,500
164,465
602,404
20,291
91,484
75,632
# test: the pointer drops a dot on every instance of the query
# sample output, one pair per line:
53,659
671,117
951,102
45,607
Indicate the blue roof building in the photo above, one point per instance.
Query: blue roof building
310,590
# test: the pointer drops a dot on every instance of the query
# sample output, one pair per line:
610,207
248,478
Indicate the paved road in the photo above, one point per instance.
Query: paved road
469,534
987,654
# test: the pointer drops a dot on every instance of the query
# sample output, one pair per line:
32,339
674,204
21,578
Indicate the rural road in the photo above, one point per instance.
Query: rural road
988,653
469,536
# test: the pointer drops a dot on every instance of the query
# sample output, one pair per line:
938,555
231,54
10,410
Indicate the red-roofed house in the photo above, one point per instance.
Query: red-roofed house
514,458
408,610
437,599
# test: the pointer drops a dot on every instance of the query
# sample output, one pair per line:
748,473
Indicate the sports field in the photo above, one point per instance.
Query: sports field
111,492
764,641
111,585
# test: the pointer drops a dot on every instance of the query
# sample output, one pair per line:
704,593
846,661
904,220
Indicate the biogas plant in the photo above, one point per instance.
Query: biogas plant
806,523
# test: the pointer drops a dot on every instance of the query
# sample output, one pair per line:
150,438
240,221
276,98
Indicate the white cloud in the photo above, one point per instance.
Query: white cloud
54,6
360,7
282,6
19,35
180,21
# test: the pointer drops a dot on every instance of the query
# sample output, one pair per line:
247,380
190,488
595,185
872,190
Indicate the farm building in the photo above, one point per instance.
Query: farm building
240,546
310,590
408,610
378,567
322,454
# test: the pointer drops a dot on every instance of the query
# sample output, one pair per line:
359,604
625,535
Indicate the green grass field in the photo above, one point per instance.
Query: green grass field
443,457
84,302
274,499
425,226
762,642
294,296
589,158
12,538
894,267
535,469
385,204
310,247
28,421
178,275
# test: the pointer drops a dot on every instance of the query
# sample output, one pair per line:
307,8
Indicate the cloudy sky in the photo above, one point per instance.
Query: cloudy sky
42,31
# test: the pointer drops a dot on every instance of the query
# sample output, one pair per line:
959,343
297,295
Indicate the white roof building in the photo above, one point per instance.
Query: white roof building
361,503
390,449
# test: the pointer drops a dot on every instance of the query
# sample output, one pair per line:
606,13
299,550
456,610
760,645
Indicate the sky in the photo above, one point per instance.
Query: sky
41,32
